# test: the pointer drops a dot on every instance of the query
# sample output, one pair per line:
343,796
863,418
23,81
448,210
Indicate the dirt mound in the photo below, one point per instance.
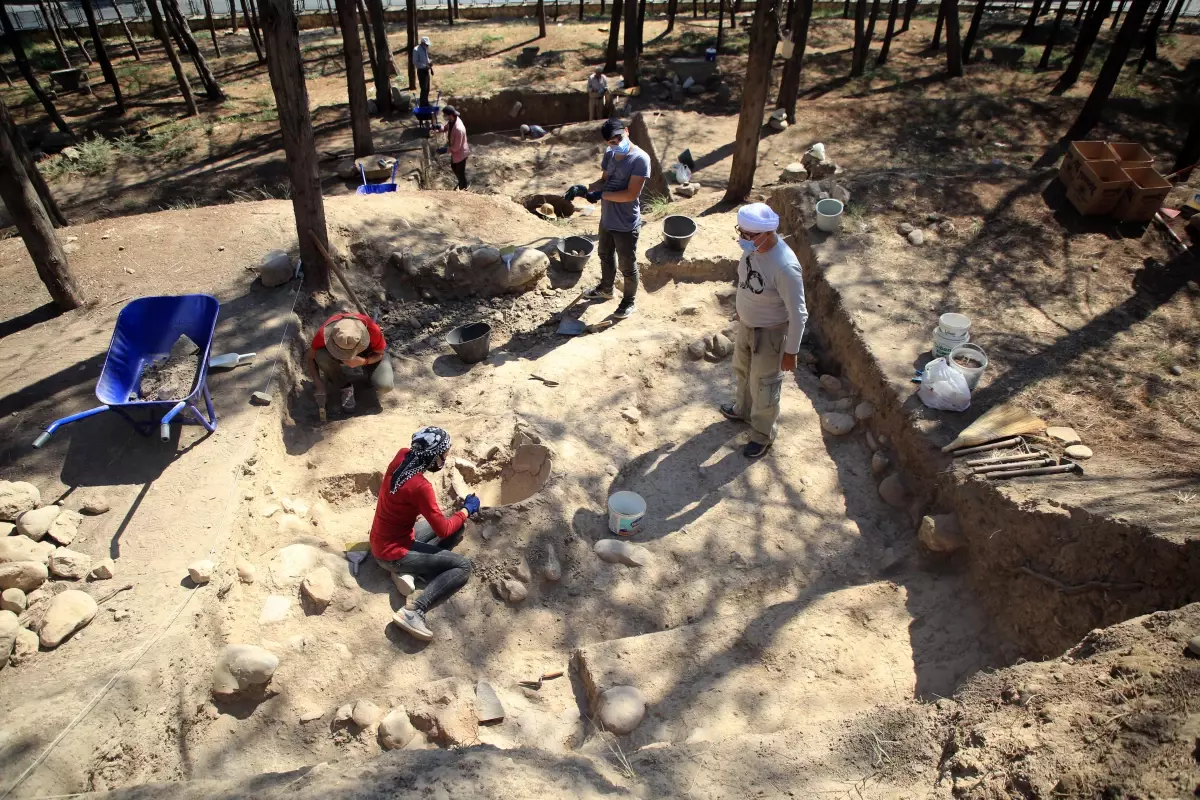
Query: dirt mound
1110,718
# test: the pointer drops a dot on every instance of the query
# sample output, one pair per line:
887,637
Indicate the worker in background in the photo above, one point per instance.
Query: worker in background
457,145
532,132
348,341
405,495
597,85
624,170
424,65
771,318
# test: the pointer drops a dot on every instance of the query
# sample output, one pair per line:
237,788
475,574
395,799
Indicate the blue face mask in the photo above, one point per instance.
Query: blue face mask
746,245
621,149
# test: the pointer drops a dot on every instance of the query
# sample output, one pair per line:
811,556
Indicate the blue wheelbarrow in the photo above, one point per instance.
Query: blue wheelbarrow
427,116
146,330
377,188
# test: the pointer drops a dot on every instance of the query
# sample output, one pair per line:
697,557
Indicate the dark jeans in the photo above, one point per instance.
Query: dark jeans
445,572
624,245
460,172
423,79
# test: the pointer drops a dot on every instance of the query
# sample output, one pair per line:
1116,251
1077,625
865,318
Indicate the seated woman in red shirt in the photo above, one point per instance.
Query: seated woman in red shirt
348,341
404,495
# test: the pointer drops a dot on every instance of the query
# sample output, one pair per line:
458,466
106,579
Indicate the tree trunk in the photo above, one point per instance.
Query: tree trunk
614,36
62,12
211,87
250,26
1150,47
173,28
909,8
1083,4
35,177
160,30
366,34
641,26
1083,44
137,56
846,10
870,32
1189,156
212,25
286,67
450,12
720,22
789,84
356,85
1117,16
52,26
630,68
1058,16
954,64
33,223
411,23
893,13
858,60
233,15
333,21
1089,115
973,31
734,10
110,77
4,74
556,11
763,38
256,26
581,10
1175,15
541,16
1031,21
937,28
18,51
383,55
672,10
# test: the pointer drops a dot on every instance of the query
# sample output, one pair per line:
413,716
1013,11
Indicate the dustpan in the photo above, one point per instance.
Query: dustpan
998,423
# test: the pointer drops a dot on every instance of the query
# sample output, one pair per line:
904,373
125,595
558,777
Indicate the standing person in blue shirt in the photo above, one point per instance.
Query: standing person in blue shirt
424,67
625,168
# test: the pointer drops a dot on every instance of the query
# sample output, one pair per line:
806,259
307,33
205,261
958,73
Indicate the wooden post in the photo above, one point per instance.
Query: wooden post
35,176
254,40
672,10
763,38
137,55
630,67
18,51
789,84
383,57
52,26
33,223
614,36
541,17
160,30
366,29
356,85
1058,17
954,64
62,12
212,26
211,87
286,66
870,31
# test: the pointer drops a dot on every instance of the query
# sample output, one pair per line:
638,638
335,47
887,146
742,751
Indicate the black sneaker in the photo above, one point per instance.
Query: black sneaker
625,309
756,450
598,294
729,411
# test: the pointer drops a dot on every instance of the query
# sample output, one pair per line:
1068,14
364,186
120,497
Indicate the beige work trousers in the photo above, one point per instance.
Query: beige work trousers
757,358
597,103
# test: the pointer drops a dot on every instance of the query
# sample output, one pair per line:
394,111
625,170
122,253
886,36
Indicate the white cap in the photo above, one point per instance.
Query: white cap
425,40
757,218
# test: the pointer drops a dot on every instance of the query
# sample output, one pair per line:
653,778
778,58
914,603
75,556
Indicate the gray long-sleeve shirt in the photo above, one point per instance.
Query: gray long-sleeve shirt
770,292
421,59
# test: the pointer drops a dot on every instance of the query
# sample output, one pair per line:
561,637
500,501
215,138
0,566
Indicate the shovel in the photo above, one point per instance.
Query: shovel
230,360
577,327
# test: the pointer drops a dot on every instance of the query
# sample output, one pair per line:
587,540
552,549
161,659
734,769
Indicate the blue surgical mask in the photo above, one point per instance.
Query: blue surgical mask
621,149
746,245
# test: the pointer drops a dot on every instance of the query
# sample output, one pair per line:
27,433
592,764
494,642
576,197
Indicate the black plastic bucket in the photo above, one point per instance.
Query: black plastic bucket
678,230
579,244
471,342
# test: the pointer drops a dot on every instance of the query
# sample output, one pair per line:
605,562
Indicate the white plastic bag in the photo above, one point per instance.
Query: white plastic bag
943,387
682,173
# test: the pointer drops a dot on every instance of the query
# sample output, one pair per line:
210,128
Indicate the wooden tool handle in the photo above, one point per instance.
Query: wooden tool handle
338,271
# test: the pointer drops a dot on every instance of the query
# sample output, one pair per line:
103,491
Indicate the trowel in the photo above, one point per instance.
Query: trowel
230,360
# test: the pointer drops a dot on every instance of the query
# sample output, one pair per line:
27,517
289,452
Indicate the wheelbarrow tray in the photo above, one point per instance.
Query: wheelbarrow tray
145,331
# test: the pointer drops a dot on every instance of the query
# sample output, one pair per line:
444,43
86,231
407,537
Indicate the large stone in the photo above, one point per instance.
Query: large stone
720,346
1063,435
793,173
13,600
10,625
65,527
552,569
445,711
70,564
103,570
512,590
818,168
318,588
617,551
25,648
92,502
452,273
36,523
68,612
18,548
1079,451
488,707
864,410
201,571
485,256
365,714
696,349
276,268
246,571
621,710
941,533
395,730
687,189
830,383
893,492
837,423
916,237
17,497
879,462
243,667
23,575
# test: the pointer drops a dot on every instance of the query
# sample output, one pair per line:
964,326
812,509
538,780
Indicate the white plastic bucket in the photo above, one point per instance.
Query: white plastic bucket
954,324
625,511
829,215
972,374
952,330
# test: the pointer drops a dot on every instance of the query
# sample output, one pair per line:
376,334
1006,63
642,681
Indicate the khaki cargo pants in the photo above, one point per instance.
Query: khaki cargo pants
757,358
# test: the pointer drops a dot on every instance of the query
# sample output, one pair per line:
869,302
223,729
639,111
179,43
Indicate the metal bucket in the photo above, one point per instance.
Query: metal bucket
471,342
678,230
584,247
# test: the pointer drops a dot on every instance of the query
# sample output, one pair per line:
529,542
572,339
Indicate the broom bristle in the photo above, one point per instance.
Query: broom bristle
1000,422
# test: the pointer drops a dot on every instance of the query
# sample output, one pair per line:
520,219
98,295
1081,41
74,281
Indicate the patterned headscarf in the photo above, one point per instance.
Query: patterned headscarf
428,444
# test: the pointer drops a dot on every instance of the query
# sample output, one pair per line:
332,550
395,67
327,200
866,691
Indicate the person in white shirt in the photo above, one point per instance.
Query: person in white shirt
597,85
424,65
771,319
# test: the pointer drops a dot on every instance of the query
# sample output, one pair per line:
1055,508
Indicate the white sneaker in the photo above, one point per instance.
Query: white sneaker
414,623
405,584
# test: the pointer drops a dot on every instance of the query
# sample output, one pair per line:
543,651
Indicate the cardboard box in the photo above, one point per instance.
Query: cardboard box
1131,156
1078,153
1098,188
1142,196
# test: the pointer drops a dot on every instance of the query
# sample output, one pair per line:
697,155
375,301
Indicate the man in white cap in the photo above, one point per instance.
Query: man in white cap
597,85
424,65
771,318
348,341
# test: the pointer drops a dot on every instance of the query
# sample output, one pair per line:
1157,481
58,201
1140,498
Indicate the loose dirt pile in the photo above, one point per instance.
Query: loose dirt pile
172,376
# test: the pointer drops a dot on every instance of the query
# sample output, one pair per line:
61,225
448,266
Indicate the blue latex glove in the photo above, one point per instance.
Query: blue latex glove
594,197
472,505
443,150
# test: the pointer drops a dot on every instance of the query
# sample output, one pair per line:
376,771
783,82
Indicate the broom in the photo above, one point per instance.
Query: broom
1000,422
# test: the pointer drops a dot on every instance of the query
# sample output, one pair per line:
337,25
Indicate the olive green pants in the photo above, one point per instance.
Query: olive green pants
757,358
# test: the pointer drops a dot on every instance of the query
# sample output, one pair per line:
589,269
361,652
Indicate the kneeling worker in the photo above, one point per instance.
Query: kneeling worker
348,341
405,495
771,318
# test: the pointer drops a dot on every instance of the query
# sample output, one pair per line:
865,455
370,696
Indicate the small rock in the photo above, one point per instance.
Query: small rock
268,511
1063,435
344,714
552,569
513,591
23,575
201,571
522,572
36,523
10,625
946,228
297,507
720,345
892,490
13,600
25,647
318,587
837,423
65,527
687,189
916,237
1176,369
93,503
246,571
69,564
845,404
864,410
631,415
830,384
621,709
68,612
396,730
941,533
488,707
1193,645
17,497
879,463
1079,451
366,714
103,571
696,349
905,229
121,614
871,442
243,667
260,399
616,551
312,715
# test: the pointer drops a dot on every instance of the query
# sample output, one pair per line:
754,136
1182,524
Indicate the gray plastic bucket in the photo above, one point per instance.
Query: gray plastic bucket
471,342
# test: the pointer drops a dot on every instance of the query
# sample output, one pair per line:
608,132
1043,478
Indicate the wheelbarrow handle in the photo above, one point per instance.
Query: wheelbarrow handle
44,437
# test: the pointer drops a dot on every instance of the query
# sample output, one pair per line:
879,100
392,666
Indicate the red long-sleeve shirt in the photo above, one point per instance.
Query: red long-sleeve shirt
396,514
